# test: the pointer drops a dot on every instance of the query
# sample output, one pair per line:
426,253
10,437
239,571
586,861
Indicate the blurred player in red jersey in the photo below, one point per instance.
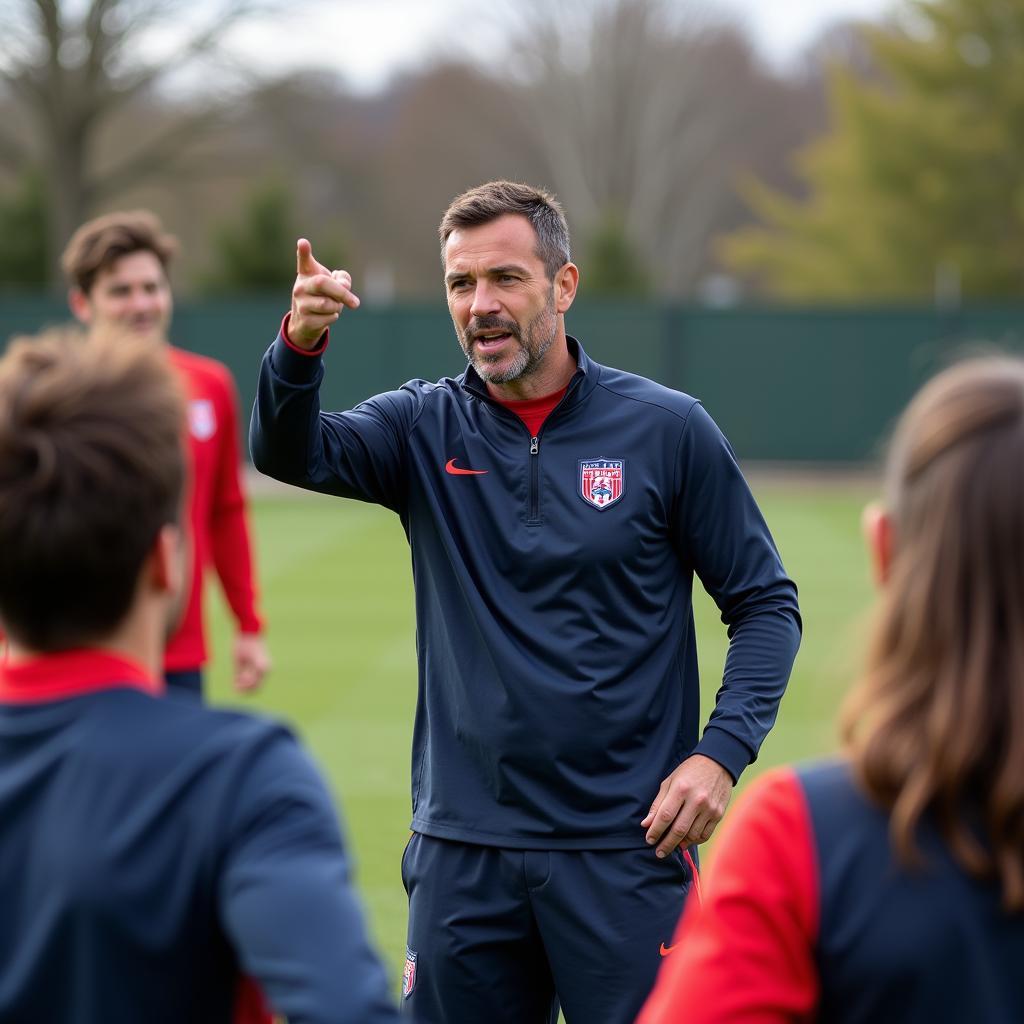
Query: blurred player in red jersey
888,884
117,267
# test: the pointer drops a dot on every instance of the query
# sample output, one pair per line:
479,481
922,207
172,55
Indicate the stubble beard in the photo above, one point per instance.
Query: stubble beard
534,344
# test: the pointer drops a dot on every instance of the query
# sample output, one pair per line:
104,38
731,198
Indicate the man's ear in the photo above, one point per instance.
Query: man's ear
80,305
877,527
567,280
167,561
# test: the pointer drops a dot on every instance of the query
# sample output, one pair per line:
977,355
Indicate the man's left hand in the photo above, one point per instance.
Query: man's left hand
689,805
252,662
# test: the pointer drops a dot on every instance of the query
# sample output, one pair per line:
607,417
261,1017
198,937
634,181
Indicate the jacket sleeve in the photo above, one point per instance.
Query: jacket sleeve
745,955
722,535
286,898
356,454
230,541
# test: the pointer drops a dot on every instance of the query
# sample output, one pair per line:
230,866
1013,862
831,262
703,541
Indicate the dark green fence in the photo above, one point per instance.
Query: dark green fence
789,385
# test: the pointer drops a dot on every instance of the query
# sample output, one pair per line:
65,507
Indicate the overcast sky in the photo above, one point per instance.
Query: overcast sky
369,40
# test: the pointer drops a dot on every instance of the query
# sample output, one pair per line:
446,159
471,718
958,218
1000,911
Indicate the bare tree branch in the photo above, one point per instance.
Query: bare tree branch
71,67
203,43
161,154
634,115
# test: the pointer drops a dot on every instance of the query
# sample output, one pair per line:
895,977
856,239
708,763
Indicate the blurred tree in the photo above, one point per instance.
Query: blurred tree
614,268
918,188
441,130
23,234
649,108
256,250
71,68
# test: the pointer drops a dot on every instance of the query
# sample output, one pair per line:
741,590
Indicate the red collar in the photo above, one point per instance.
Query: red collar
534,411
72,674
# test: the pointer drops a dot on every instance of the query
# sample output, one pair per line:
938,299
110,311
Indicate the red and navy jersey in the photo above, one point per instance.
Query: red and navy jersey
155,851
553,573
807,915
217,513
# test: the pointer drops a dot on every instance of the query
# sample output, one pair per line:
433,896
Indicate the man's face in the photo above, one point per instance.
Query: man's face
132,294
501,299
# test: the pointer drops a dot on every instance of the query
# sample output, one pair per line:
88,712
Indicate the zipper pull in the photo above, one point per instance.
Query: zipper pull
534,445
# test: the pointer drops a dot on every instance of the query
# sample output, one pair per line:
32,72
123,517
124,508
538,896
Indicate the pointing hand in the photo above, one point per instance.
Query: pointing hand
318,297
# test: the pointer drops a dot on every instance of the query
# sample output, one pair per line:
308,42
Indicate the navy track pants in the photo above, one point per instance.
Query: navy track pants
500,936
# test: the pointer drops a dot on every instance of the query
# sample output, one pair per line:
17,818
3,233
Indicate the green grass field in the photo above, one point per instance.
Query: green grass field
338,594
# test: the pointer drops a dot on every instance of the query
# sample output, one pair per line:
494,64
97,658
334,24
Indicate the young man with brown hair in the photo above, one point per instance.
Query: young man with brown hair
153,851
117,266
557,512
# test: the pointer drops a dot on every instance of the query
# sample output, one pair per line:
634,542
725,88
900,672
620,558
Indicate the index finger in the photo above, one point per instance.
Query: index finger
305,263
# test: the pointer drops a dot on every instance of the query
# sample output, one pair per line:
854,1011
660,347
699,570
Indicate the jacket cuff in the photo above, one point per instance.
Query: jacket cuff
724,748
293,364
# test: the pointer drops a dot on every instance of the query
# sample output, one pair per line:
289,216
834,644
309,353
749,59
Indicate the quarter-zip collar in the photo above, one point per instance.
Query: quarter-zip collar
583,381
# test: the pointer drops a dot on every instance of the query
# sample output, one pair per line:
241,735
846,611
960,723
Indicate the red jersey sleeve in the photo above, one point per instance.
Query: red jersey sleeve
745,955
230,544
250,1006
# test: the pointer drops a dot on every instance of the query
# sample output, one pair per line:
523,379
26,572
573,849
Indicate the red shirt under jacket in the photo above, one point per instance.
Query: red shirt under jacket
534,411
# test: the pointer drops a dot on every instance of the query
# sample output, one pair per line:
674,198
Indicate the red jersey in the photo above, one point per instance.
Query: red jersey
220,531
809,915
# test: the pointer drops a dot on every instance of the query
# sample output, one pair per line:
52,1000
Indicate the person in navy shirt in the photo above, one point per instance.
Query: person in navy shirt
161,861
888,884
557,511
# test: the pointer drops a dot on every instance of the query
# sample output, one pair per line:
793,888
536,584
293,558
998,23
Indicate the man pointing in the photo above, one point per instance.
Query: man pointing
557,511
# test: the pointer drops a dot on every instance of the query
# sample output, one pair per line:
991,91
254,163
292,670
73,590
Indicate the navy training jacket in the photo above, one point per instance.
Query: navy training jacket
915,945
558,679
154,850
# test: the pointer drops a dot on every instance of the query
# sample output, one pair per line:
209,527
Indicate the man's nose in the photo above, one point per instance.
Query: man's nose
485,300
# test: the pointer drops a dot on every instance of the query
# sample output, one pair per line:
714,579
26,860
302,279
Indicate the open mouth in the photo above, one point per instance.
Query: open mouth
487,340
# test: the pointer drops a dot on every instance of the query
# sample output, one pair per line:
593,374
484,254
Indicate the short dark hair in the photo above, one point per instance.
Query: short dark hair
495,199
98,244
91,468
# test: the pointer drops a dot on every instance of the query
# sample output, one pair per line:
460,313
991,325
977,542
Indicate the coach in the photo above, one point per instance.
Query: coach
557,511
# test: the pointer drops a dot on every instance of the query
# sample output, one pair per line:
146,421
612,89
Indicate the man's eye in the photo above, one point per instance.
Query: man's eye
505,278
456,285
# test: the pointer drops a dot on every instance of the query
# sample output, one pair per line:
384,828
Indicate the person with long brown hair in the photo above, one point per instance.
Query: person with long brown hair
888,884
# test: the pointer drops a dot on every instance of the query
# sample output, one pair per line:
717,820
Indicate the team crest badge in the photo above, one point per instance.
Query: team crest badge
409,974
202,419
601,481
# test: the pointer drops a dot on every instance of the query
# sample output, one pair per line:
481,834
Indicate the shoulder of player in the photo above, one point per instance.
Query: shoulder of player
234,765
631,387
247,727
217,732
200,367
157,734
